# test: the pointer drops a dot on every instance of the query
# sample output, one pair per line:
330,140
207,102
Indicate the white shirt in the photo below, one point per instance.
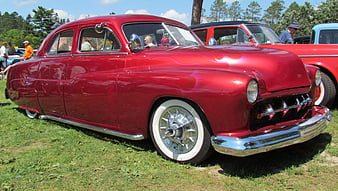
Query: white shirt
3,50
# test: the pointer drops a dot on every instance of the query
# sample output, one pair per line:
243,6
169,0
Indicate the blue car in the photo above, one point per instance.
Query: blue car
19,52
325,34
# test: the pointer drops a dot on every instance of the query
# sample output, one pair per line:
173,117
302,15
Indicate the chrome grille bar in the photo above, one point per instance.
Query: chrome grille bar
284,108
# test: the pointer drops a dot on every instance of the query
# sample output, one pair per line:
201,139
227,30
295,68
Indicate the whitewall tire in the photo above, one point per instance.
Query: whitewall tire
179,133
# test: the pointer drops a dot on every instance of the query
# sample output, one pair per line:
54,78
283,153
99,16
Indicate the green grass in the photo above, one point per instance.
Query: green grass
45,155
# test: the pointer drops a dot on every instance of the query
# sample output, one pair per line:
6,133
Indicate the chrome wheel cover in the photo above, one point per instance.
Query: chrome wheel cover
31,114
178,130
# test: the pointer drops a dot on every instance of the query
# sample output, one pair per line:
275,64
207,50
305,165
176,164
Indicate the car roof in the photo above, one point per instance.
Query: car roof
121,19
326,26
222,23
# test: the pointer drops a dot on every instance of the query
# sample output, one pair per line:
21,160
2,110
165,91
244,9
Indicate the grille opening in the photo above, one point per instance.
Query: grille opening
277,110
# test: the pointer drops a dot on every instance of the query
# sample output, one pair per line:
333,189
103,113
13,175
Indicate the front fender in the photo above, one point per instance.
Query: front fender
220,95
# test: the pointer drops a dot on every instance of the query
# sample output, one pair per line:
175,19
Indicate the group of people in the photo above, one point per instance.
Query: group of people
8,49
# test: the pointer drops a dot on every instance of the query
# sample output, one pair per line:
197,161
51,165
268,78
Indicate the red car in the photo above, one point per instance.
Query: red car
138,76
255,34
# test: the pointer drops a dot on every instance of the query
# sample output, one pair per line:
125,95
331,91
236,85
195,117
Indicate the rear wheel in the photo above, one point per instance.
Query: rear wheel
179,133
326,91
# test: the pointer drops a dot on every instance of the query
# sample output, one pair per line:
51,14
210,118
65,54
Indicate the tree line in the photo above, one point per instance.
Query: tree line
34,28
277,16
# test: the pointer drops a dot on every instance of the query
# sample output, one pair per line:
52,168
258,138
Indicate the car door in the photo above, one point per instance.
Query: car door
52,73
90,86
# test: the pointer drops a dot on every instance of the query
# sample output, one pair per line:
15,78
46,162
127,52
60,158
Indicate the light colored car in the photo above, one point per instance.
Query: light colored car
100,73
325,34
14,58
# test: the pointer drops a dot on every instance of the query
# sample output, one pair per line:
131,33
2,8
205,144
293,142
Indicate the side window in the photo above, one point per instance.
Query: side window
226,35
242,37
202,34
93,41
62,43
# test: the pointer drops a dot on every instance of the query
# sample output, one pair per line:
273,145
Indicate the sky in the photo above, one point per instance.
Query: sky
77,9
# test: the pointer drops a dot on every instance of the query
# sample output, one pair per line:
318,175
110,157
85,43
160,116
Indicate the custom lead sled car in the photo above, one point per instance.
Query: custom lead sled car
137,76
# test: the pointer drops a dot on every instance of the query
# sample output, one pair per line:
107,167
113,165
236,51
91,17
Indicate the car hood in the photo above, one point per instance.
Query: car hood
277,69
313,50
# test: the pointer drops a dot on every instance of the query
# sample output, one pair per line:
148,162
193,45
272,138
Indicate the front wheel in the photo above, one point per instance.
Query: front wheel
179,133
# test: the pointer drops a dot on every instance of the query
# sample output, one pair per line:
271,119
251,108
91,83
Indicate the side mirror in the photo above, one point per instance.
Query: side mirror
99,28
212,41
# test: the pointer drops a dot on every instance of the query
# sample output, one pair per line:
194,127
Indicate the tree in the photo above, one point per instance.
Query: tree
11,21
291,15
252,13
15,36
218,10
34,40
43,21
235,11
196,12
273,13
327,12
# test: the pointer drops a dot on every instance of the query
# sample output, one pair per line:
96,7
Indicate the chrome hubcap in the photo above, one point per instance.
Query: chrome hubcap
178,130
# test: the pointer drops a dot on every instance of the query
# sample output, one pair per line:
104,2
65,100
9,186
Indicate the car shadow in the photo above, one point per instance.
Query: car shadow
259,165
139,145
4,104
254,166
271,162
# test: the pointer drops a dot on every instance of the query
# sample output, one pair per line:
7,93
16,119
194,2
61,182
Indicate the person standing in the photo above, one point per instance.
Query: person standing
11,49
3,55
28,51
286,36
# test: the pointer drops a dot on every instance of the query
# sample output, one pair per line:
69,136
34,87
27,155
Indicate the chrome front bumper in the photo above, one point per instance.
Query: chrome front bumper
273,139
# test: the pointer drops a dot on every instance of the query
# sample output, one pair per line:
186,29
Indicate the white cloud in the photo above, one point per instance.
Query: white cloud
141,11
64,15
172,14
20,3
109,2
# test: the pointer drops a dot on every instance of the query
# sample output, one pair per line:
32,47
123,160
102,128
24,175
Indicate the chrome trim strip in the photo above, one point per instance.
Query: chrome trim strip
94,128
100,54
85,54
58,55
273,139
329,55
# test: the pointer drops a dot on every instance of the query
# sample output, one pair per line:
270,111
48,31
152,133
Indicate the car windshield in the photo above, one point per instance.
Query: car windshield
147,35
264,34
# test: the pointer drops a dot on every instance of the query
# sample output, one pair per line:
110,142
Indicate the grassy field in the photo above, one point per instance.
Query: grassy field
45,155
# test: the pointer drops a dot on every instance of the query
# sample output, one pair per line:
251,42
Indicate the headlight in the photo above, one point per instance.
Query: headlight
252,91
318,78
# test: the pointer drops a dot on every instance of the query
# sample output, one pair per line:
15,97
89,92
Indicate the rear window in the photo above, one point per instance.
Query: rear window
62,43
328,36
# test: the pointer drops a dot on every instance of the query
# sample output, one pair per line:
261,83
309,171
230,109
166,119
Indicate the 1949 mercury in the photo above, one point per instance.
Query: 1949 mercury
138,76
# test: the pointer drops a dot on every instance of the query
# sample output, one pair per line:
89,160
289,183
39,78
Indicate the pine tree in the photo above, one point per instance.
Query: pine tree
253,12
